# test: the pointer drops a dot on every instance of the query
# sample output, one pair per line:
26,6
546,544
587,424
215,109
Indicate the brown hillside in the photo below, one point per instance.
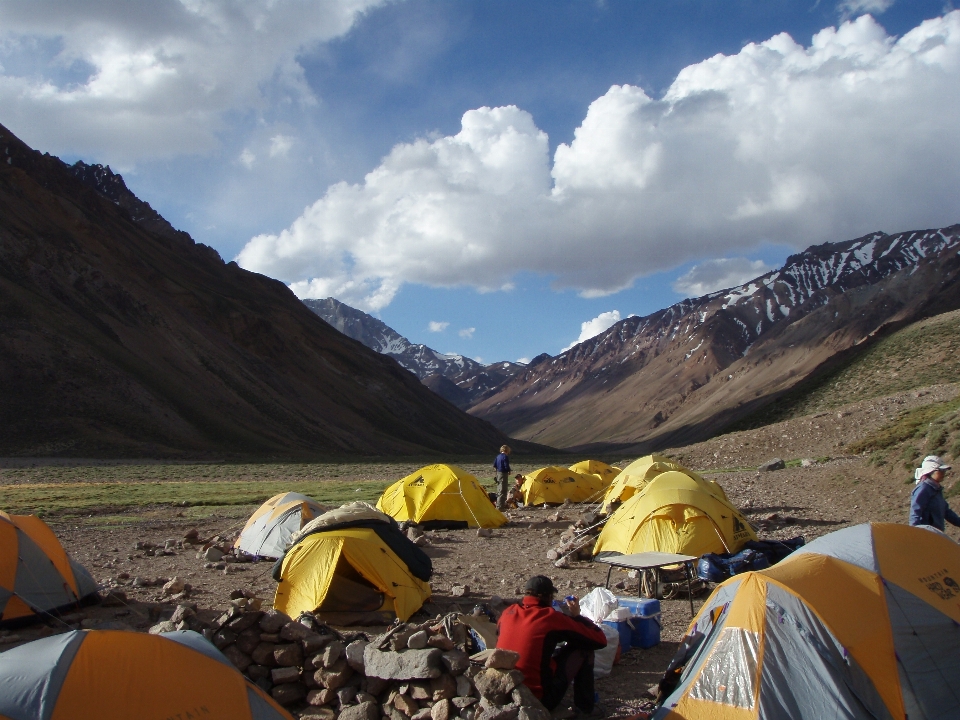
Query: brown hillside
126,338
683,374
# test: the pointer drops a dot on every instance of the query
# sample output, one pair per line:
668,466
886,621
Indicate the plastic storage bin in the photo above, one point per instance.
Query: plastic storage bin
645,619
624,631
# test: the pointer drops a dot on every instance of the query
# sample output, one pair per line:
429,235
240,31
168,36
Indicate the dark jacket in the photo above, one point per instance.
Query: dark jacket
929,507
502,463
534,631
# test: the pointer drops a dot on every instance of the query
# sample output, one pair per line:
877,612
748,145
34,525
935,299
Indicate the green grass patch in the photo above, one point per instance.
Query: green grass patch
47,498
912,424
109,491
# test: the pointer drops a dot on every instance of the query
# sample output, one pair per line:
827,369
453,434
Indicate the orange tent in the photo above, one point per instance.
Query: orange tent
116,675
861,623
36,575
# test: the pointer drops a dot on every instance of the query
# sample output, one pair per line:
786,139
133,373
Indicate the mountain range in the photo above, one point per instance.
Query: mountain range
459,379
684,373
121,336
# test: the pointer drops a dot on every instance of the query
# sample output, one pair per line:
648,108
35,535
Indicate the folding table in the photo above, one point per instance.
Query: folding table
652,561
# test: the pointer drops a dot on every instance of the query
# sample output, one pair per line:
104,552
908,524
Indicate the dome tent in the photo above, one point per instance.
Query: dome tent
36,574
605,472
554,485
675,513
861,623
356,560
440,495
269,530
635,476
115,675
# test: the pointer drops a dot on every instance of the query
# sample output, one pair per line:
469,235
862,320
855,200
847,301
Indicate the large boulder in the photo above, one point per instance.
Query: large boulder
354,654
496,685
406,665
363,711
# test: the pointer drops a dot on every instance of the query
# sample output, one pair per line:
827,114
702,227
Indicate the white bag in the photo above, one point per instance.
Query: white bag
597,604
604,657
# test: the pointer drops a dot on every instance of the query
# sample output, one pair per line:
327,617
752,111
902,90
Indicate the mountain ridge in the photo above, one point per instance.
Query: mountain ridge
121,336
457,378
678,352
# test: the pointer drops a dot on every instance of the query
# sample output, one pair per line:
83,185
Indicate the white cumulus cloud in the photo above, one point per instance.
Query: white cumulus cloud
436,327
781,142
592,328
719,274
131,80
467,332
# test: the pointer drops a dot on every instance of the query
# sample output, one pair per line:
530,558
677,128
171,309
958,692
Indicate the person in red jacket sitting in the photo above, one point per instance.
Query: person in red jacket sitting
534,629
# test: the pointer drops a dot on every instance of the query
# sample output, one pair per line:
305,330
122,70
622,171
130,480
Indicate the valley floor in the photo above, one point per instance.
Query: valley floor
834,490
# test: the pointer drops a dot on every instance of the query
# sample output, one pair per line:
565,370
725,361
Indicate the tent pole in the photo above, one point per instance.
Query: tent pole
472,513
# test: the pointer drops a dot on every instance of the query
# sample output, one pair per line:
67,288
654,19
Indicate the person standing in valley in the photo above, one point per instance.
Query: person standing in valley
927,504
502,466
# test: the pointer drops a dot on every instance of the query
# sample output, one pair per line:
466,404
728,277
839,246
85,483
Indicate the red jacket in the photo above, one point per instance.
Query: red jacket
534,631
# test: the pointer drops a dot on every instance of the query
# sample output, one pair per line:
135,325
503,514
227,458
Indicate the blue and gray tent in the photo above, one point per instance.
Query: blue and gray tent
861,623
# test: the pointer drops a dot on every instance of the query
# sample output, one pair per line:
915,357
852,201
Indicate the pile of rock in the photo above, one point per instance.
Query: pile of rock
173,589
411,672
415,534
219,553
168,547
576,542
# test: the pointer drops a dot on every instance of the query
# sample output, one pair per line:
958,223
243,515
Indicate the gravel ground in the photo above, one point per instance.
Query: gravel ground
834,491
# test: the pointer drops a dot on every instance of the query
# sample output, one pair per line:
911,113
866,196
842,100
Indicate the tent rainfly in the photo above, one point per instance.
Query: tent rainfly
356,560
554,485
440,496
36,574
269,530
605,472
675,513
635,476
116,675
861,623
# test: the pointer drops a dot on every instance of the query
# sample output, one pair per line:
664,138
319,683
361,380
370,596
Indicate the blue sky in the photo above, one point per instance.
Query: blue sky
514,175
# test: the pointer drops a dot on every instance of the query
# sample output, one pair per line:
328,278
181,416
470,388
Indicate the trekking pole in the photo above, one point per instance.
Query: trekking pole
584,536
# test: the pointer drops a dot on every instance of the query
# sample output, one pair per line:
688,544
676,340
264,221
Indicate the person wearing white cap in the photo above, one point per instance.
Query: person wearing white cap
927,504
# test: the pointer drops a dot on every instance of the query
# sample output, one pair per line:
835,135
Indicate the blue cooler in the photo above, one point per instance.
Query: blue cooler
645,619
624,630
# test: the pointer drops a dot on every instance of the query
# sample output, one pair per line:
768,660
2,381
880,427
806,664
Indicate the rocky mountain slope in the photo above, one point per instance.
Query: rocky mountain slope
459,379
121,336
683,373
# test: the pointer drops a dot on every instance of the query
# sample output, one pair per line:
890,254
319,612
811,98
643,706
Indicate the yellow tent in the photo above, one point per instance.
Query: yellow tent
861,623
347,570
636,475
440,495
353,559
557,484
605,472
676,513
